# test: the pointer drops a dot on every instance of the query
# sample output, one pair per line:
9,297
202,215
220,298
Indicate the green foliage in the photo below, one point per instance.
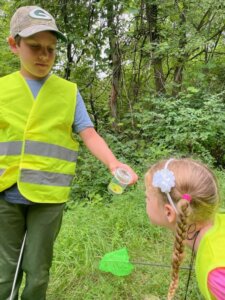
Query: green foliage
8,61
91,180
191,125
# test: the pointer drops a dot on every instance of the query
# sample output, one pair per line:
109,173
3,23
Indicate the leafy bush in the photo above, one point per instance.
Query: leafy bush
91,180
187,126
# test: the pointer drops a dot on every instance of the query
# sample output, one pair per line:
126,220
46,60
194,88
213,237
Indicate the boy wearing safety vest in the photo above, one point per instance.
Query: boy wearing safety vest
38,153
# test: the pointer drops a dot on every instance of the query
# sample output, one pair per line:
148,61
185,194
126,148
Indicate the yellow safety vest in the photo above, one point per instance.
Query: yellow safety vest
210,254
37,147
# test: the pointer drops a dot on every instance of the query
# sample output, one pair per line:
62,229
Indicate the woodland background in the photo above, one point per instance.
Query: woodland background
152,76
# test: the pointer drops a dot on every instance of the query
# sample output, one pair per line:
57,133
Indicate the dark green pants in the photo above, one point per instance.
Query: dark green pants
42,223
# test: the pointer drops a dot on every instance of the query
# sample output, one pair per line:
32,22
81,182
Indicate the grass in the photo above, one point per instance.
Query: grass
90,231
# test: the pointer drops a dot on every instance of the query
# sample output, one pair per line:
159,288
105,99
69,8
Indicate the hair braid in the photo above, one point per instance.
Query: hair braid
178,252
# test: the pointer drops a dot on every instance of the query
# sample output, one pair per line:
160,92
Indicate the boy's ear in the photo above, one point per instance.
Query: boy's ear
12,44
170,214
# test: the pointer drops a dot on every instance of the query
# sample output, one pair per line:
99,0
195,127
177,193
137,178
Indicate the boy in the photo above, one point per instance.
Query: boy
37,152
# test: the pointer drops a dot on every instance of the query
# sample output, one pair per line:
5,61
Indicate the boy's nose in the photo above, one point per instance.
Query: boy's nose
43,53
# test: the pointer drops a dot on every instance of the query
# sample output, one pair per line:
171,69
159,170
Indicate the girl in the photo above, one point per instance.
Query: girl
182,195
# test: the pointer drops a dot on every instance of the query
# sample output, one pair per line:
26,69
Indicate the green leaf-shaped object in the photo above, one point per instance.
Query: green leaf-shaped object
117,263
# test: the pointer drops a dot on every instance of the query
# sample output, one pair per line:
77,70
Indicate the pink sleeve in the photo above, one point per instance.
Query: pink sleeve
216,283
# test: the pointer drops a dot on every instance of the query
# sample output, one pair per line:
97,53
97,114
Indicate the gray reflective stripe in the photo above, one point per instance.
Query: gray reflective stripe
45,178
10,148
45,149
2,171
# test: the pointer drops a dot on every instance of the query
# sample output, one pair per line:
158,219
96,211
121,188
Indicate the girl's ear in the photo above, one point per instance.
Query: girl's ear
12,44
170,214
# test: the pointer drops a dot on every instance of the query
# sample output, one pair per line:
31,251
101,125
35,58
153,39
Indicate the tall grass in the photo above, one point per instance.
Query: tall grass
90,231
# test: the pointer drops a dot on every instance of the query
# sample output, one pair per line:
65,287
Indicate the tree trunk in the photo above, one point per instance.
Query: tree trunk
114,57
67,73
179,66
152,15
69,61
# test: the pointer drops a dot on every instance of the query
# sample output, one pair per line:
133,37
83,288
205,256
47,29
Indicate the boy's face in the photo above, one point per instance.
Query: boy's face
37,54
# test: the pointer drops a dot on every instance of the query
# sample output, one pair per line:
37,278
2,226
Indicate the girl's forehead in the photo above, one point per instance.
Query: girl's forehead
148,179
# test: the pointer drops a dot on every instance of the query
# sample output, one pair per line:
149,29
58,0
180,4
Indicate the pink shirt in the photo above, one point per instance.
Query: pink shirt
216,283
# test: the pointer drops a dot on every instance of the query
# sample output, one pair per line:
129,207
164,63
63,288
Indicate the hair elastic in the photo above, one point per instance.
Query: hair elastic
186,197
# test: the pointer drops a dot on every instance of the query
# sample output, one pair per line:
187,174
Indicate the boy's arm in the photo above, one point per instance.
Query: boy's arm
98,147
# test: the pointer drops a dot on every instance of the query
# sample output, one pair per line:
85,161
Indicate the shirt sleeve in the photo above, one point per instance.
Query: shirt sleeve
81,118
216,283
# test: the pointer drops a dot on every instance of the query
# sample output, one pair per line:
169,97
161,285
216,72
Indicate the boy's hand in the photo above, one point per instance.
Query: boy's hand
98,147
118,164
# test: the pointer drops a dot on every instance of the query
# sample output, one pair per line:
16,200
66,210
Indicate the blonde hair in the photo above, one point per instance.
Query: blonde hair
197,180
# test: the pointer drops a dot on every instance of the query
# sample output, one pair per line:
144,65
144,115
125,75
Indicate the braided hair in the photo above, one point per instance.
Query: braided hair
178,252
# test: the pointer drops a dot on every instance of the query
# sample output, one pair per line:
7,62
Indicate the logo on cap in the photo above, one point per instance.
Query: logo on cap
38,13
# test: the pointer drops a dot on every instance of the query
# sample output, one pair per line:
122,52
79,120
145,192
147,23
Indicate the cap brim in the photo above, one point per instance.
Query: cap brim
39,28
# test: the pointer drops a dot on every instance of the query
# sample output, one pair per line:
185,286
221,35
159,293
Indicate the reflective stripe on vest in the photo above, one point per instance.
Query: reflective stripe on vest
45,178
10,148
50,150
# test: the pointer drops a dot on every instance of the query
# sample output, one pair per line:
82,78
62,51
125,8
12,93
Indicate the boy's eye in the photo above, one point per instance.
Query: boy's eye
35,46
51,50
39,47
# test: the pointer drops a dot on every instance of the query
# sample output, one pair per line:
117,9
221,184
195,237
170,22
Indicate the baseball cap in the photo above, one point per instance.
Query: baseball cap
28,20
